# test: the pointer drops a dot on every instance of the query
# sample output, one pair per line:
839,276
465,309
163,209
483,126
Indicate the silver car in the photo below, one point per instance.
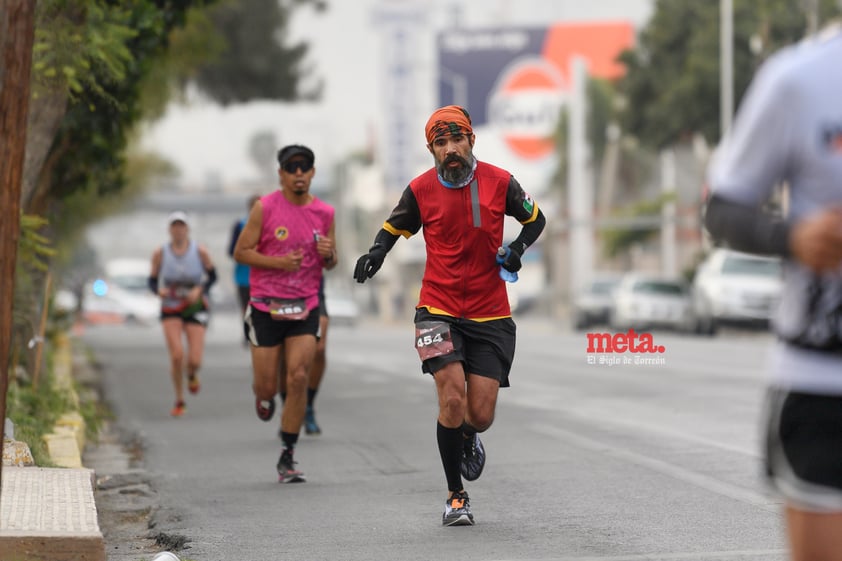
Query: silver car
644,301
592,305
736,288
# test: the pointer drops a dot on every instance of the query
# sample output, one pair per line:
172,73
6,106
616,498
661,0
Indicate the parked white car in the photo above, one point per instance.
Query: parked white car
592,304
121,295
736,288
643,301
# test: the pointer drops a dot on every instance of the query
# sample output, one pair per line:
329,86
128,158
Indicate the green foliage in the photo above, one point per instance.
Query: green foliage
32,261
34,411
34,248
672,80
256,63
93,136
195,44
618,240
79,44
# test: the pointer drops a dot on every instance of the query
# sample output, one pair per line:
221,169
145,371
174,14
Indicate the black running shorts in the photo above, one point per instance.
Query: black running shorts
263,331
485,348
803,456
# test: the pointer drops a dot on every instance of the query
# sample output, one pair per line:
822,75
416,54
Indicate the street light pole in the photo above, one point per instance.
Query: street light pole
726,65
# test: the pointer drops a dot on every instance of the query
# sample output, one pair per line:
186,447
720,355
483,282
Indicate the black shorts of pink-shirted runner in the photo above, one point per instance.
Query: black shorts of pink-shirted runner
264,331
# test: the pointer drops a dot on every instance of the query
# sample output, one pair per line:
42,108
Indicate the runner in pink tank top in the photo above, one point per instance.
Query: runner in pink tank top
290,228
287,241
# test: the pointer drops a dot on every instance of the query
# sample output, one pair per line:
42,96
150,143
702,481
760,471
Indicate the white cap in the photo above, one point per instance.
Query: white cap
178,216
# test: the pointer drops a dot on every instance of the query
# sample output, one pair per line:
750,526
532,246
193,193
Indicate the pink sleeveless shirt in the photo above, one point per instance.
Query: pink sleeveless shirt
287,227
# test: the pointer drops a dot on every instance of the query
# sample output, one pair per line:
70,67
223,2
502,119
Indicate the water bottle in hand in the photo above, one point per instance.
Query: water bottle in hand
508,276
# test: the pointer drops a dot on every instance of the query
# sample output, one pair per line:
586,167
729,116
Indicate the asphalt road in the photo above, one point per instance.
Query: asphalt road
585,461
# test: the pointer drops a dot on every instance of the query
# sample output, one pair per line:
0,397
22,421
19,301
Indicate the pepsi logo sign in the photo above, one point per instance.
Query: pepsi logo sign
525,105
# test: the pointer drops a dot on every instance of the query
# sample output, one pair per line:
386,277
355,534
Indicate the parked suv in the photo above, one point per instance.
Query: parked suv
736,288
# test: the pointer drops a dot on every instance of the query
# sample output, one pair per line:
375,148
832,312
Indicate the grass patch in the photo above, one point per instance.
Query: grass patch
34,411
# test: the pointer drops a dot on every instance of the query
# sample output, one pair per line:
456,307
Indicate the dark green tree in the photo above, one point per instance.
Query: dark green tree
672,78
256,62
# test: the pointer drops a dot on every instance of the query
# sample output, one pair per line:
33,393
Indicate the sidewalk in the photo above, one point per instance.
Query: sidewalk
49,514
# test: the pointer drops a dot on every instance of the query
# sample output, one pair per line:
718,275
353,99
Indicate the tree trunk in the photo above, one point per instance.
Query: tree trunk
46,113
17,32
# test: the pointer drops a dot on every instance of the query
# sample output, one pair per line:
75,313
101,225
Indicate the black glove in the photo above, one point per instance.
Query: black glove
512,260
369,263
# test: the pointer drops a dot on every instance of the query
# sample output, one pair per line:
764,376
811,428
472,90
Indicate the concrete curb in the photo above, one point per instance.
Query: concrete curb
49,514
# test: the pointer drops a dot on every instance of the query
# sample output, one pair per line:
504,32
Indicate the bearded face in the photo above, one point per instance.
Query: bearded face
455,168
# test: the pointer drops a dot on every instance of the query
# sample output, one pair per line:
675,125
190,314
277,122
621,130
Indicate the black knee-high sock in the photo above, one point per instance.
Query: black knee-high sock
289,439
450,449
311,396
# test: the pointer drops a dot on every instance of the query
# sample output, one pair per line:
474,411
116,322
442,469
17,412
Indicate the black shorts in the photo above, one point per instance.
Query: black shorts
803,456
263,331
485,348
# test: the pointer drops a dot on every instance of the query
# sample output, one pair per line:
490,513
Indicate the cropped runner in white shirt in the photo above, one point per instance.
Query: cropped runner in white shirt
789,132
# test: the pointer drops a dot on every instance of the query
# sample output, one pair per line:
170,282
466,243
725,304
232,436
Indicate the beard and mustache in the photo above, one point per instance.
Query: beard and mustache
457,174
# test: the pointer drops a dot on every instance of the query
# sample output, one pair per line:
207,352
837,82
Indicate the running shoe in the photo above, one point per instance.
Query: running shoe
473,458
457,511
193,384
265,408
310,424
178,409
286,469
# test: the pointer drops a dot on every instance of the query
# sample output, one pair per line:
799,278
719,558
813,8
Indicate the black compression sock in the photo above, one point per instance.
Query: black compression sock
311,396
450,450
289,439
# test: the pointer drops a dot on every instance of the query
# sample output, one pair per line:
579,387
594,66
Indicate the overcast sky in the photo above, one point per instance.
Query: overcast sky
206,141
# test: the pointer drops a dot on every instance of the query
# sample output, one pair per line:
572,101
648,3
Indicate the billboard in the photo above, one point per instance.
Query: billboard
515,81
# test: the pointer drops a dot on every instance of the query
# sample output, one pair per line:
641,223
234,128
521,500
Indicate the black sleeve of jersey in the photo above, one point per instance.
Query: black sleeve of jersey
746,228
519,204
529,233
235,234
405,219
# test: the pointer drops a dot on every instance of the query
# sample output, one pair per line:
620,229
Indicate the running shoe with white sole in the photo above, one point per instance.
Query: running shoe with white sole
473,458
457,511
286,469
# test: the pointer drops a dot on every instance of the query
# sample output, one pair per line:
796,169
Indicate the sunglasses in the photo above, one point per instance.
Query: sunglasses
292,167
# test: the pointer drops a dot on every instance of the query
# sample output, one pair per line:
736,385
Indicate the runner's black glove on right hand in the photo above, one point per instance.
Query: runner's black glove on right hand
512,261
369,263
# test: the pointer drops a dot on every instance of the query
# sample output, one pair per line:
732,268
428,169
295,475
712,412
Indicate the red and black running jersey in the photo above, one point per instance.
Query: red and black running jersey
462,229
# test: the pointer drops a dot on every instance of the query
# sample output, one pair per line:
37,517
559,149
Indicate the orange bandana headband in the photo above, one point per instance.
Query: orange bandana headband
448,120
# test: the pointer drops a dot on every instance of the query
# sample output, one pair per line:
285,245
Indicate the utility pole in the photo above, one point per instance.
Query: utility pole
579,184
17,33
726,65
